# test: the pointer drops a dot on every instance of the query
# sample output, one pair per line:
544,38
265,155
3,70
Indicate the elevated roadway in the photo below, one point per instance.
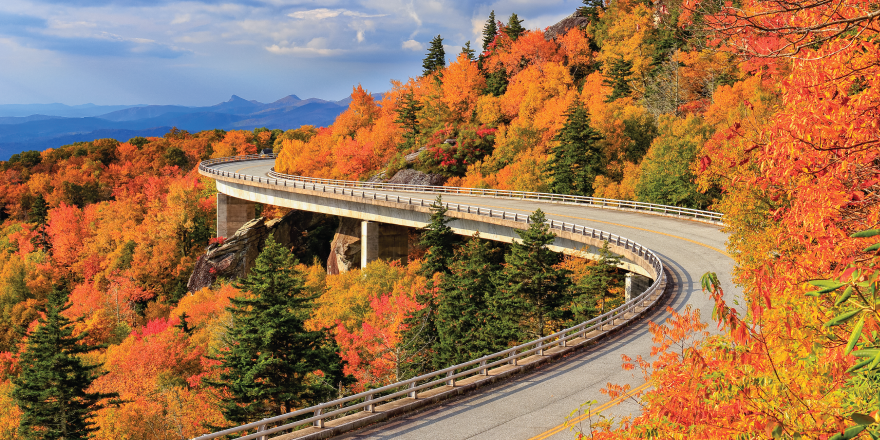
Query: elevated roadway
535,405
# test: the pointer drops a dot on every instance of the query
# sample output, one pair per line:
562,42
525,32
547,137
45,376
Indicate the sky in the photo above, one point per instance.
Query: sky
202,52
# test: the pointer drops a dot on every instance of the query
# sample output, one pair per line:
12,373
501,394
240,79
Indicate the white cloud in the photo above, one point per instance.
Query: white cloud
412,45
323,13
181,19
360,36
298,50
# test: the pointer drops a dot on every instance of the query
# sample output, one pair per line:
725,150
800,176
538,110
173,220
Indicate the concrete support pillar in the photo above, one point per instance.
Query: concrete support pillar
232,214
393,242
636,285
369,242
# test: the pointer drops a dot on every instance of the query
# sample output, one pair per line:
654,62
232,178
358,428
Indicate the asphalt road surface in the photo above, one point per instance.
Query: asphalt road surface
536,404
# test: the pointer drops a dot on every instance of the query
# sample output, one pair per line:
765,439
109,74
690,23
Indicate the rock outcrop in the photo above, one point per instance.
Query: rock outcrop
236,256
345,250
413,177
565,25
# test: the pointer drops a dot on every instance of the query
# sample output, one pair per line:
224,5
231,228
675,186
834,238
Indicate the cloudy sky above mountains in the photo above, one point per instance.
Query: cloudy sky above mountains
201,52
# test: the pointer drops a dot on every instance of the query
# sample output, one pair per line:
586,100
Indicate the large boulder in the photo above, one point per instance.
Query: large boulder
565,25
235,257
412,177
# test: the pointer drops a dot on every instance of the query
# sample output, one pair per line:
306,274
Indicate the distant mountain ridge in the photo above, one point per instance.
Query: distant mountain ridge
54,126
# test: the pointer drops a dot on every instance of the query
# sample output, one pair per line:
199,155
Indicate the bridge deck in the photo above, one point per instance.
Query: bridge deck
531,404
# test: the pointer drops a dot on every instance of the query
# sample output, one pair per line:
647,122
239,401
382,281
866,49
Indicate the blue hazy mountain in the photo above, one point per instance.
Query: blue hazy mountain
51,125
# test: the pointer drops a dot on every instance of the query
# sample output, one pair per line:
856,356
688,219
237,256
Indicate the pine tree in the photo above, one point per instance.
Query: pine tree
439,240
496,82
39,210
270,364
577,155
591,10
514,27
490,30
590,295
462,307
421,326
618,79
408,117
531,274
466,49
51,390
435,60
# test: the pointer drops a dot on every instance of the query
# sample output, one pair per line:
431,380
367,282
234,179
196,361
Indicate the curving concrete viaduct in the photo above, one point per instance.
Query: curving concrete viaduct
533,405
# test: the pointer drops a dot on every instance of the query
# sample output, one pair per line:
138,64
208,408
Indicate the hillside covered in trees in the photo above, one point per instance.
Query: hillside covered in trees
766,112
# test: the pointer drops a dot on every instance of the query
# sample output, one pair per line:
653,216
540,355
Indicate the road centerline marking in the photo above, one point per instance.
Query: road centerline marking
610,404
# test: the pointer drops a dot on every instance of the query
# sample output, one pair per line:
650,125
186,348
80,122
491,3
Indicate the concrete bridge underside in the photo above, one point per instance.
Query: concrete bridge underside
235,207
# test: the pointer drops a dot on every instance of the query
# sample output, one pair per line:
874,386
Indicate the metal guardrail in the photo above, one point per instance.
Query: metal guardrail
597,202
367,401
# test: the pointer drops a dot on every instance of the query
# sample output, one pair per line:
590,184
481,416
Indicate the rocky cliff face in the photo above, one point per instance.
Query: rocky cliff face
413,177
345,251
566,24
236,256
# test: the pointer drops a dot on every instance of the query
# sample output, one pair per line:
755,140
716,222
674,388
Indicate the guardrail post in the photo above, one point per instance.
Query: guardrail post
261,429
451,381
370,408
540,349
414,393
513,358
484,371
320,422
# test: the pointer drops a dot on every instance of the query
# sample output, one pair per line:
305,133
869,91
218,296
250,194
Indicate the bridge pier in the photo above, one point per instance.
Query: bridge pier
636,285
383,241
232,214
369,242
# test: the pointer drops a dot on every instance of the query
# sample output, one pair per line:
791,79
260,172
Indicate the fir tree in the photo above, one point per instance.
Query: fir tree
51,390
577,155
462,309
270,363
531,274
408,117
466,49
435,60
421,326
438,239
490,30
496,82
514,27
618,79
39,210
591,10
590,295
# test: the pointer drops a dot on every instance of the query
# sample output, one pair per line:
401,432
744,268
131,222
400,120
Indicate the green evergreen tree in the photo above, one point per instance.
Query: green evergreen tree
51,390
531,274
490,30
618,78
496,82
439,240
514,27
591,10
435,60
408,117
591,294
39,210
270,362
577,155
466,49
462,307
